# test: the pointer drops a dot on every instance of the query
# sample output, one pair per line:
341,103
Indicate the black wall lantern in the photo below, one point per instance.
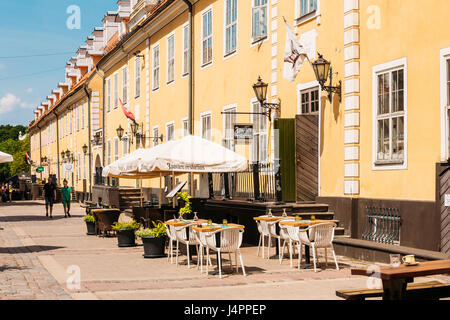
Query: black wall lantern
260,89
85,149
323,70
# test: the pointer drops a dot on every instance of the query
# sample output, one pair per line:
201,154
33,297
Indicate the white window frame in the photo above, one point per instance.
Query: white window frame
156,68
78,117
170,77
116,90
263,37
125,145
204,63
185,121
155,131
137,77
228,54
108,95
168,125
376,70
306,16
203,115
257,133
444,102
309,90
125,85
108,152
116,148
185,46
82,115
229,136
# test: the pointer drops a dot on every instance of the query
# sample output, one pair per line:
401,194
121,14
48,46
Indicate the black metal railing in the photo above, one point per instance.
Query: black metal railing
256,184
383,225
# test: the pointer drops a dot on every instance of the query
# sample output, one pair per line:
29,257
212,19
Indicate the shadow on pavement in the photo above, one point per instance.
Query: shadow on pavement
28,249
22,203
7,268
25,218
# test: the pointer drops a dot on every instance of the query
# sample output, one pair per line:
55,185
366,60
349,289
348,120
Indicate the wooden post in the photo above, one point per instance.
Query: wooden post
142,195
160,190
192,185
173,186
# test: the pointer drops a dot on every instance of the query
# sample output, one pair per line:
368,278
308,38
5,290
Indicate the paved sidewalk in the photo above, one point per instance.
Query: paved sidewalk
39,255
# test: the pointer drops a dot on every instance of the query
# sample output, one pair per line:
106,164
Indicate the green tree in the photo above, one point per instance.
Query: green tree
10,144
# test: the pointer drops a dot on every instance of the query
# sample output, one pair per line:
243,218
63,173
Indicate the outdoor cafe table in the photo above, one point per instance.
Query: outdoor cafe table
216,227
273,219
395,279
182,223
304,224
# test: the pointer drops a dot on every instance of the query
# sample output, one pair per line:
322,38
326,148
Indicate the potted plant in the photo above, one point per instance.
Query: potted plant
125,233
90,224
154,240
186,199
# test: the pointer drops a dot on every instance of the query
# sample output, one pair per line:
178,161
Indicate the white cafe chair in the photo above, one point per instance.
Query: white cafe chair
181,236
230,242
203,246
170,230
284,236
317,237
263,229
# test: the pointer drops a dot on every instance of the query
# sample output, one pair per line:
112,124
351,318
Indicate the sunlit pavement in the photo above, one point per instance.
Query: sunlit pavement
40,259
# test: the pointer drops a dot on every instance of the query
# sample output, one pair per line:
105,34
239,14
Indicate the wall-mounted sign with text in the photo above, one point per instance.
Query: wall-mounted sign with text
243,131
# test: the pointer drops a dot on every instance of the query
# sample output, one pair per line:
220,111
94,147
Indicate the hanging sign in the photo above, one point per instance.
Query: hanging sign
243,131
68,167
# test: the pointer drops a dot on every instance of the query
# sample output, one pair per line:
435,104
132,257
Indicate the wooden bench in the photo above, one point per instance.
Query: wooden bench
432,290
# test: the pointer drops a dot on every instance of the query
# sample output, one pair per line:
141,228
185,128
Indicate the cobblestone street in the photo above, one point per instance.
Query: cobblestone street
38,256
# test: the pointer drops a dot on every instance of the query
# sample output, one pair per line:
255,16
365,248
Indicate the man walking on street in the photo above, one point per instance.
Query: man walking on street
50,196
66,191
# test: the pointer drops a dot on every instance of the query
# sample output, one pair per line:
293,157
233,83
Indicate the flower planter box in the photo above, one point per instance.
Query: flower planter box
126,238
90,228
154,247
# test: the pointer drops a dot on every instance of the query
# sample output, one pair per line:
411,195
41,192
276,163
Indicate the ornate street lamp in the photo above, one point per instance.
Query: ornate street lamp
97,138
134,128
323,70
120,132
85,149
260,89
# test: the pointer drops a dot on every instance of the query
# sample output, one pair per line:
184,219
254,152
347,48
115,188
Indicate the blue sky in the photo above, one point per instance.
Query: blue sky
35,27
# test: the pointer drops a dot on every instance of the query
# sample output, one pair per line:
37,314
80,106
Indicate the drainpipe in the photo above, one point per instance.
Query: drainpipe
191,47
191,83
89,137
103,113
57,144
40,147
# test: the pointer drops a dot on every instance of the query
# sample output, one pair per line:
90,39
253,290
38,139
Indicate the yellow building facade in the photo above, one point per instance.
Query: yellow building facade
378,144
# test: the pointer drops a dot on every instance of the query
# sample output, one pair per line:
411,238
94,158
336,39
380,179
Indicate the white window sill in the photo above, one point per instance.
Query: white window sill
306,18
389,165
206,65
258,41
230,54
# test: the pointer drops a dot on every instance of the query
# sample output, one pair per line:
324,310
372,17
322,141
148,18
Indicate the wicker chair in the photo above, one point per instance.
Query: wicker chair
104,220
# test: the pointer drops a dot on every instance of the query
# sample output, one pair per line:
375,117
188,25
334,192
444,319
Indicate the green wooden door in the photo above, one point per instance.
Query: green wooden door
285,149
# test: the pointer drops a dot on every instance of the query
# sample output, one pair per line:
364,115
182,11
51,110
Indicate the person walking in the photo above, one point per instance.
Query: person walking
66,191
10,191
50,196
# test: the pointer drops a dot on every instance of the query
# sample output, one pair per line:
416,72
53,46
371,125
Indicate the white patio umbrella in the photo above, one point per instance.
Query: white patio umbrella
190,154
4,157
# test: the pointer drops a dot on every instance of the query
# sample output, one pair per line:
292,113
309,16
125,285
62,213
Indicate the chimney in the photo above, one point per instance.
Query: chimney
57,93
111,27
82,62
64,88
